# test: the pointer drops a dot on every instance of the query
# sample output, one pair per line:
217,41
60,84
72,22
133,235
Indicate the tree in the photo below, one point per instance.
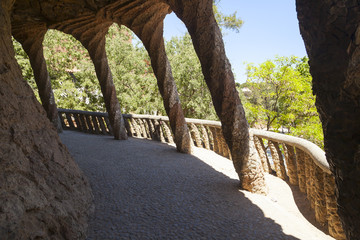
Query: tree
279,96
135,82
72,73
194,95
73,77
24,63
230,22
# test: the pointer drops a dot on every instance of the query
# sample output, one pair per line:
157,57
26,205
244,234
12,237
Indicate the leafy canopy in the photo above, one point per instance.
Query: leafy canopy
278,96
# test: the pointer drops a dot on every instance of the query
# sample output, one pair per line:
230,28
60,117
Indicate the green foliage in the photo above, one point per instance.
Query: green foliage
194,95
230,22
25,66
135,83
72,73
279,96
73,77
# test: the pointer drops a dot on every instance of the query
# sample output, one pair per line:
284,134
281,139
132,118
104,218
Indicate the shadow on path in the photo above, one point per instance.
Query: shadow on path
146,190
305,209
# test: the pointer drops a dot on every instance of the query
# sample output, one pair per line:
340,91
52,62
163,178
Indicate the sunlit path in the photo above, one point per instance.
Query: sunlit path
146,190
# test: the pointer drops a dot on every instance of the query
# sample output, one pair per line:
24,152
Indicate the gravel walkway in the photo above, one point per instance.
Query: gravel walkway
146,190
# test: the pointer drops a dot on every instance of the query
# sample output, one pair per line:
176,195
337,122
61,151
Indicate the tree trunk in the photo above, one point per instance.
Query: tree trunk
331,32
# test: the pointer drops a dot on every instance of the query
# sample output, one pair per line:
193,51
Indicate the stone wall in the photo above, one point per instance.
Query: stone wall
43,193
330,30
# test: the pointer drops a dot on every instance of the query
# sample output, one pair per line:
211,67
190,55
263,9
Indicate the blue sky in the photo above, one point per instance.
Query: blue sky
270,28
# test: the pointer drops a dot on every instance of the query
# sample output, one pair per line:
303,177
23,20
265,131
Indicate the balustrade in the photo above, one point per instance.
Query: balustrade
295,160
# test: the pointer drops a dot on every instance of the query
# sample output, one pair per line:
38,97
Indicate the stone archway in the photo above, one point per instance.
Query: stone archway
89,22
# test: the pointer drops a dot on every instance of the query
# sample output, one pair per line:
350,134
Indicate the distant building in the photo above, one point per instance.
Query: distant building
246,91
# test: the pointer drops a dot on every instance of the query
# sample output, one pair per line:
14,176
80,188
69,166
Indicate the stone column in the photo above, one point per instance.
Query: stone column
95,44
150,31
207,39
32,45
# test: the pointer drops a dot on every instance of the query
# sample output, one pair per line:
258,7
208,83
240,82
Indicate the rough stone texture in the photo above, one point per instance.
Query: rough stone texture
278,160
195,135
300,160
290,159
31,40
330,30
253,174
207,39
43,194
334,223
259,145
205,137
320,200
309,179
147,24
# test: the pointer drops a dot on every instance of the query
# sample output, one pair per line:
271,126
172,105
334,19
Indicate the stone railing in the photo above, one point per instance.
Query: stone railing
292,159
302,164
206,134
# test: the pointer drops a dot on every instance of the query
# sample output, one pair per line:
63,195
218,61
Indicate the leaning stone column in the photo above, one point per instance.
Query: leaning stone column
151,34
251,181
207,39
95,44
32,44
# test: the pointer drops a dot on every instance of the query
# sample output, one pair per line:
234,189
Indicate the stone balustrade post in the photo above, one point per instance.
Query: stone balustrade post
334,223
278,160
300,159
205,137
320,200
290,159
259,145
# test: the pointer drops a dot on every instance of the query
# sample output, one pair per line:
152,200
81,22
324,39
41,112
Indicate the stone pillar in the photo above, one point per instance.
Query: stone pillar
150,31
250,181
207,39
32,45
95,44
